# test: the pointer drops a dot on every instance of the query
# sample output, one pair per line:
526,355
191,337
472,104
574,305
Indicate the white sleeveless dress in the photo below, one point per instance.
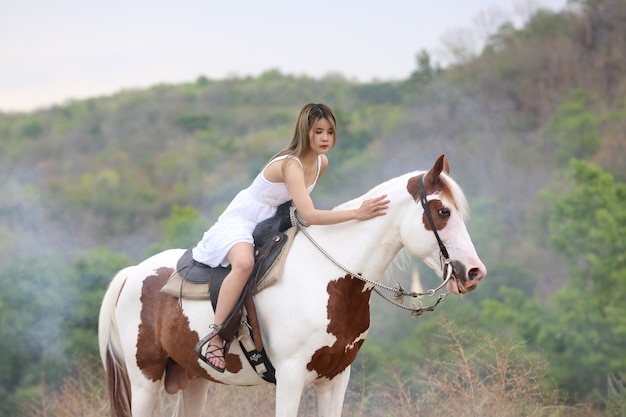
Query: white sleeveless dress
249,207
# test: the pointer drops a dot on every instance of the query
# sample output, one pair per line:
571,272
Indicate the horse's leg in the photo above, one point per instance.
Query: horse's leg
145,395
330,394
145,373
289,387
191,401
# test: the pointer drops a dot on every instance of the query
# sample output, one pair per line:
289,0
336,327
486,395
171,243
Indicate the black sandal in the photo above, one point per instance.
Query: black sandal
212,350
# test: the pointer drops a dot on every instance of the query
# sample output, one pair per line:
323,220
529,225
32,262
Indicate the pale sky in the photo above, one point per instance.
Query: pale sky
55,50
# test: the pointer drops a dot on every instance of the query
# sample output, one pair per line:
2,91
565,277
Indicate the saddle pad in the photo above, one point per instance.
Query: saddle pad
178,287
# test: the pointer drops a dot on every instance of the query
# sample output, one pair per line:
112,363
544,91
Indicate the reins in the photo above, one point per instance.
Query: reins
416,309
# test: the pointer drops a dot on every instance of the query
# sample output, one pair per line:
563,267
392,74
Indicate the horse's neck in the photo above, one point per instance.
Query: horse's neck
368,247
380,248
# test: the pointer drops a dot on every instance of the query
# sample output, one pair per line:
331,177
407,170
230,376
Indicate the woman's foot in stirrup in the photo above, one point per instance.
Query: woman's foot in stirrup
214,355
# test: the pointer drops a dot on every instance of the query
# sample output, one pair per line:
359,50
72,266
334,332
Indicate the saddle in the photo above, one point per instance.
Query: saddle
270,240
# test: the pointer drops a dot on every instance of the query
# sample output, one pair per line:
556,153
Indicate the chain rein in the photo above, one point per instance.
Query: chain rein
399,292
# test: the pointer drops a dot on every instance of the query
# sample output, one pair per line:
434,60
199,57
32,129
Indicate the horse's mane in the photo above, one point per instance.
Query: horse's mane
452,191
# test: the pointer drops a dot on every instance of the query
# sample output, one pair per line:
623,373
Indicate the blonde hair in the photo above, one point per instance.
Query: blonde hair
309,116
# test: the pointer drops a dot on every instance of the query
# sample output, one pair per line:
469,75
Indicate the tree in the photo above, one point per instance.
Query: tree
89,279
31,327
582,329
574,128
589,228
182,229
425,71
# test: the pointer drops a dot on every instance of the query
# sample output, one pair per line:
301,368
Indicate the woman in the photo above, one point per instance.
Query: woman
290,175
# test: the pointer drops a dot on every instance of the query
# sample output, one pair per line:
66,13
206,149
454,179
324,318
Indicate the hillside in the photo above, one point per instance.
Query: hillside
113,171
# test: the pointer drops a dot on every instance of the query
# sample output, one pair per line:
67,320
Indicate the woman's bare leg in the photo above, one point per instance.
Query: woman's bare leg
241,258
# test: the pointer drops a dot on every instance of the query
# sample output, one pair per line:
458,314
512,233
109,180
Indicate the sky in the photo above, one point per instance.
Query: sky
55,51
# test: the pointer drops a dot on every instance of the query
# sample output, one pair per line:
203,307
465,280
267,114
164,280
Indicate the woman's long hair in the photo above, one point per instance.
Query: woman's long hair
309,115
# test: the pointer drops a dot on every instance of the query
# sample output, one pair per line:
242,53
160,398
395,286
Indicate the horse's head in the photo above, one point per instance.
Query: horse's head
440,234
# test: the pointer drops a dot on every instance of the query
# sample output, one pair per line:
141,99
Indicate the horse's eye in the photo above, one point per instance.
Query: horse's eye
444,212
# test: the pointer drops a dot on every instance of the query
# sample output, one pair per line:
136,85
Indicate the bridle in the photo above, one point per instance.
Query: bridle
416,309
443,252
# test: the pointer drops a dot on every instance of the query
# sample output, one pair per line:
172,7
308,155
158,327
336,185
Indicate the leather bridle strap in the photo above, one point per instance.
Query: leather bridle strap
424,201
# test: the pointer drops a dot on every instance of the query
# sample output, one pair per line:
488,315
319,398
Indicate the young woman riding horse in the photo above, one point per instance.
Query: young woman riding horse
290,175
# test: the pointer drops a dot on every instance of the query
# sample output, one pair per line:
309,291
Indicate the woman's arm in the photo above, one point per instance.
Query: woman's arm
294,179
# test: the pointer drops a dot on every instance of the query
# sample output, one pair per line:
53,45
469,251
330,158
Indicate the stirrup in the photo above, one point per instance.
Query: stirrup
215,352
215,329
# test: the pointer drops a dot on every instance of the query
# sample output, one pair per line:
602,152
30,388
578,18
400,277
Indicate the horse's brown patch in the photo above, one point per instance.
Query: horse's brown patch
440,222
349,314
151,358
432,186
164,332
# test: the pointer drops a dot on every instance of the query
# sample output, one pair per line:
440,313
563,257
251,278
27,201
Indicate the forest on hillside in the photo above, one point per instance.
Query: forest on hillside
534,126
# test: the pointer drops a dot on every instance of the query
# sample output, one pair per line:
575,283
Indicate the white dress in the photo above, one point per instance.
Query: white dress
249,207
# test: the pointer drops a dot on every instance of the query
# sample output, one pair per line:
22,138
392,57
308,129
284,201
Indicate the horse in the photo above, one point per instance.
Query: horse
313,320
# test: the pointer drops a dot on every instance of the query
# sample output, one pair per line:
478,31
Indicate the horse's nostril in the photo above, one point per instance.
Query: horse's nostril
473,274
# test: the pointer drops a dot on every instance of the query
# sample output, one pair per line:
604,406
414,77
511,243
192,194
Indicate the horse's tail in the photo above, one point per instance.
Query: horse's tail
111,352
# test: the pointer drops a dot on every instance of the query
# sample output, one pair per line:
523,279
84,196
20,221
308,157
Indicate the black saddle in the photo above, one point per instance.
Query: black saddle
269,239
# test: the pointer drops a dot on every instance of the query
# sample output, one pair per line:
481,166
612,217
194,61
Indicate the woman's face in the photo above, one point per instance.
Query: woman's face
322,137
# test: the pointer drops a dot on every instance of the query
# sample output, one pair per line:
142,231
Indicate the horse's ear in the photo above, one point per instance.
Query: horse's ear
430,178
446,165
433,175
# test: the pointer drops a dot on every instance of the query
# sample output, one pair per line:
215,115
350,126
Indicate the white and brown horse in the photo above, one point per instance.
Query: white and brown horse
313,320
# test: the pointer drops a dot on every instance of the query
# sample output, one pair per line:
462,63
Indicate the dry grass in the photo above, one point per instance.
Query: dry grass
486,380
79,395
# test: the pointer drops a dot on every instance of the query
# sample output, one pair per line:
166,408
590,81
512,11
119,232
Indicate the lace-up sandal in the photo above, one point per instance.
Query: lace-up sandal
212,351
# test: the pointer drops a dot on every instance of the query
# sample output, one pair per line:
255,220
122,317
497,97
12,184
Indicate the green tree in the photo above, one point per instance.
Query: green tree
182,229
573,130
48,318
582,329
89,279
425,71
31,328
589,228
191,122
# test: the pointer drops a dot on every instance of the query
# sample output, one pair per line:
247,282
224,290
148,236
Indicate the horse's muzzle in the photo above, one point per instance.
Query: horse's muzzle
466,280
